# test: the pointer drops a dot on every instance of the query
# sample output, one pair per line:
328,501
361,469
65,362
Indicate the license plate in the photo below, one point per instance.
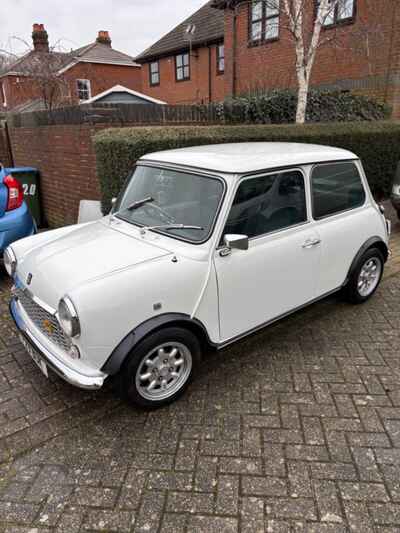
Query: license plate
35,356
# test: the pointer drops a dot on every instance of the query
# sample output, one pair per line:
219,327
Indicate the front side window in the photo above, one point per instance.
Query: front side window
163,197
336,187
83,89
340,11
182,64
267,204
264,20
154,71
220,59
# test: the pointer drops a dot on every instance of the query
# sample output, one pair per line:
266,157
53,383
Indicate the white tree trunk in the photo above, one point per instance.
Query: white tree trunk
305,55
302,97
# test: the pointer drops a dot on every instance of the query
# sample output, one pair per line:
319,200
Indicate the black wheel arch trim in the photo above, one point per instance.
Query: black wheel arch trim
114,363
368,244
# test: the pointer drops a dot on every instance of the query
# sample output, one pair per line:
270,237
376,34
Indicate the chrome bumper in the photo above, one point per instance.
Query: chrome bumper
66,373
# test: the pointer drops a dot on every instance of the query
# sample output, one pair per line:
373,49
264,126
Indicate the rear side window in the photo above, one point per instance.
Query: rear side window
336,187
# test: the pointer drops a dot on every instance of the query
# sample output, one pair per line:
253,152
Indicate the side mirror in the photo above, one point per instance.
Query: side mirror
236,242
113,204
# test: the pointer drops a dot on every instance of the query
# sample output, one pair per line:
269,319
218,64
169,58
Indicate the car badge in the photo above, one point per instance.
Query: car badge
29,279
48,326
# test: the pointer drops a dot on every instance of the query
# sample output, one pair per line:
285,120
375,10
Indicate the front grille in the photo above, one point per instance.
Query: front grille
43,320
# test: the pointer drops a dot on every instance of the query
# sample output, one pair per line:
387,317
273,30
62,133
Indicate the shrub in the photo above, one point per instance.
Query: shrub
117,150
279,107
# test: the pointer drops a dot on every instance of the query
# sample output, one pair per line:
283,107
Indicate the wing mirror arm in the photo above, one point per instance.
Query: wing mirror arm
234,242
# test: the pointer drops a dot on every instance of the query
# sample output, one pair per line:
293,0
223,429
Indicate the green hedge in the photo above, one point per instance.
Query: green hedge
118,149
279,107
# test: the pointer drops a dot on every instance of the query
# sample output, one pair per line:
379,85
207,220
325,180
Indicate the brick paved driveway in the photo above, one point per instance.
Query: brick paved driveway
294,429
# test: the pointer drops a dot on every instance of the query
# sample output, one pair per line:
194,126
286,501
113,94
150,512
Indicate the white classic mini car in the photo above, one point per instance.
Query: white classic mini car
204,246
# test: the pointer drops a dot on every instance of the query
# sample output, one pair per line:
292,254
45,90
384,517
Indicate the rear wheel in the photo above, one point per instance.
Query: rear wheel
160,369
366,277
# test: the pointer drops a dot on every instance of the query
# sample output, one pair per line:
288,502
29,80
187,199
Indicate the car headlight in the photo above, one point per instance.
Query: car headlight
10,261
68,317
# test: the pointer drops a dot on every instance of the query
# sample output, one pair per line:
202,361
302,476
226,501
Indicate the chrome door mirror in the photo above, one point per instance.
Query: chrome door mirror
113,204
236,242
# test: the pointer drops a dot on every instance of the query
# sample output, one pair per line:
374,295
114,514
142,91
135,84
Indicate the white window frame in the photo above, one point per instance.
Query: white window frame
89,89
155,73
3,93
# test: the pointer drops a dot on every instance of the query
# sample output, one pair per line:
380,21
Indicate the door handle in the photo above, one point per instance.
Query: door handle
311,242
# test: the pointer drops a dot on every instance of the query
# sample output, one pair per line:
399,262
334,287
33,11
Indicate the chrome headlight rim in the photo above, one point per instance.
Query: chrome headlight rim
10,261
68,317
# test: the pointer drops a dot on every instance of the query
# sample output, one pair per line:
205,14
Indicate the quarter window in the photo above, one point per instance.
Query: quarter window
268,203
154,70
220,59
83,89
182,63
264,20
336,187
340,11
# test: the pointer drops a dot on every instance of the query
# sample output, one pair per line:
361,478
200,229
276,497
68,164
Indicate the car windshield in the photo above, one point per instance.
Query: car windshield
169,198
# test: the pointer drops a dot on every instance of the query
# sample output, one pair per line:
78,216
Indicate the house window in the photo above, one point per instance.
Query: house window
154,69
3,94
220,59
182,64
83,89
341,11
264,21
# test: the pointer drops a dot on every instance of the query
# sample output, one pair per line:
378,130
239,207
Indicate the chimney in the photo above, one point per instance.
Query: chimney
40,38
104,38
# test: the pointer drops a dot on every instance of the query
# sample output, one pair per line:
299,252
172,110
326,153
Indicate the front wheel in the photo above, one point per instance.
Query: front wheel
161,367
366,277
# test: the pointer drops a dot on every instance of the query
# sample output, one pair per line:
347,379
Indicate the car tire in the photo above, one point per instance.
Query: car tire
366,277
152,376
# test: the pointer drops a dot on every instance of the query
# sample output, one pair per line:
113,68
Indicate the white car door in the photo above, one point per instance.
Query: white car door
342,214
278,272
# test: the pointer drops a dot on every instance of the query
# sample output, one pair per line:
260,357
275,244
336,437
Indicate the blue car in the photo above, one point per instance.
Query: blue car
16,221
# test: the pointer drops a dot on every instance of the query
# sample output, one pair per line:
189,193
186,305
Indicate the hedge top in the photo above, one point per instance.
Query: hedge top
249,157
376,143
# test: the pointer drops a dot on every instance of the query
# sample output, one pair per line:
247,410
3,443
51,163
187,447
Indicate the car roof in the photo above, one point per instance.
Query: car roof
240,158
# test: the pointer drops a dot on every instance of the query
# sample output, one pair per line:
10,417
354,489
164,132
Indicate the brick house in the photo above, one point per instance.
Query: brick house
365,58
44,78
187,65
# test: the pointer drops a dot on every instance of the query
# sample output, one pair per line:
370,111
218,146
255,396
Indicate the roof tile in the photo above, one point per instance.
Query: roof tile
209,24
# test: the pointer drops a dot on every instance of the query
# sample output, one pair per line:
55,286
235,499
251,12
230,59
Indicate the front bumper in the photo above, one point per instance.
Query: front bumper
54,363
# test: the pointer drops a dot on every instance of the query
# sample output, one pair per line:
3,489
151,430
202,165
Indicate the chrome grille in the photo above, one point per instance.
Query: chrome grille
43,320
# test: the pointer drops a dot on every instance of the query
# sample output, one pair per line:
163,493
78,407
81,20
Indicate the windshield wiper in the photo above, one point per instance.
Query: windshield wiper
170,226
139,203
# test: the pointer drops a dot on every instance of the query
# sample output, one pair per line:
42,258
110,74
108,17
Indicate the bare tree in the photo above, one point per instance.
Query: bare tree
40,76
303,22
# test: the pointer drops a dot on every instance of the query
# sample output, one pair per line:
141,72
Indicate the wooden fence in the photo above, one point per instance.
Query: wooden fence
120,115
